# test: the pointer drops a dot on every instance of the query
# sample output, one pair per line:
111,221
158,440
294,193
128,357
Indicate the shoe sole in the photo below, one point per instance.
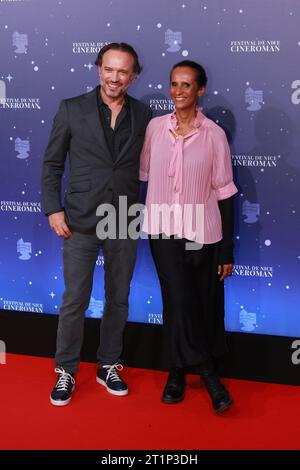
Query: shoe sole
224,407
170,401
61,402
120,393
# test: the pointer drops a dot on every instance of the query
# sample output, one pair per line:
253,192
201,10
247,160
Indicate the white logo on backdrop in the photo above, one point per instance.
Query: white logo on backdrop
25,249
173,39
253,98
20,42
251,211
22,147
247,320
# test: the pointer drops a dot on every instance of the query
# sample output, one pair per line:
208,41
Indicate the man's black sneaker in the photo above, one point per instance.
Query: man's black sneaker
62,393
109,377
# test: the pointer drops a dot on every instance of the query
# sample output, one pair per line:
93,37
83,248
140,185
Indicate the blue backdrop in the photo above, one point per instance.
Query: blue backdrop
250,49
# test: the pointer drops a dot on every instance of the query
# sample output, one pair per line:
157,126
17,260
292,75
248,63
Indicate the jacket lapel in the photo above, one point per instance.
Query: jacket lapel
90,114
133,117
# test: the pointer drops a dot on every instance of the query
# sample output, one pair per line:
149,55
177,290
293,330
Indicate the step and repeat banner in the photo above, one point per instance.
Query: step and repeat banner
251,51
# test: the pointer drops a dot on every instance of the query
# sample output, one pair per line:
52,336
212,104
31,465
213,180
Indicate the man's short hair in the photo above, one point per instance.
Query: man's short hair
123,47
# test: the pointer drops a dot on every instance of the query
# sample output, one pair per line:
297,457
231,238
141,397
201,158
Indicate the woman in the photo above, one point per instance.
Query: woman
187,163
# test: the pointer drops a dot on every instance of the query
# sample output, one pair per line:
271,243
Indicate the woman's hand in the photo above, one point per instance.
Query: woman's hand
224,270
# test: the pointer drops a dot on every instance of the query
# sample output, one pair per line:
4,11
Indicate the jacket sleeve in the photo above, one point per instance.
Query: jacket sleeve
54,161
145,155
226,244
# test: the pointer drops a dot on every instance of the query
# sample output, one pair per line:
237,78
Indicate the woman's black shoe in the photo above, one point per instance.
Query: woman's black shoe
175,386
220,397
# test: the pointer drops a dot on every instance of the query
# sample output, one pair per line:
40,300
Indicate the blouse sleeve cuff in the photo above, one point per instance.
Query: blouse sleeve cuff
143,176
227,191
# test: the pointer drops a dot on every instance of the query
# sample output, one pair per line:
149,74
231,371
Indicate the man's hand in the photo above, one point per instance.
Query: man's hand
224,270
58,224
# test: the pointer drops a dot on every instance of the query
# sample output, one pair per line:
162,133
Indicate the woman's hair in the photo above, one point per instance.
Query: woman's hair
201,77
123,47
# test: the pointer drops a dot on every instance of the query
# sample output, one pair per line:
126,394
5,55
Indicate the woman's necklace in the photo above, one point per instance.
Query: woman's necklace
184,129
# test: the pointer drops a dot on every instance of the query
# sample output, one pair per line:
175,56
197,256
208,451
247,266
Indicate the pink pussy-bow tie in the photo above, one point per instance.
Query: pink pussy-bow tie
176,164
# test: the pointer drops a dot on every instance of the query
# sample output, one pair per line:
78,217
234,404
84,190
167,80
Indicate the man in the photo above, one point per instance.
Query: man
103,133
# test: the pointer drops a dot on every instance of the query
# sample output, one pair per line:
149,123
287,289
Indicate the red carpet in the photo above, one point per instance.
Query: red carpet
264,416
